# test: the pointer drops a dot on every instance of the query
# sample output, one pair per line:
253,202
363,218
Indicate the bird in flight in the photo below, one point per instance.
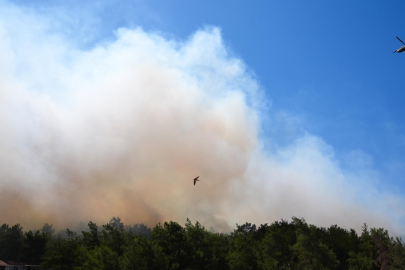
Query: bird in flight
196,179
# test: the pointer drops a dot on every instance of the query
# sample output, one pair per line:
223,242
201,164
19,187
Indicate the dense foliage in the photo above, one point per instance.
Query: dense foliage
281,245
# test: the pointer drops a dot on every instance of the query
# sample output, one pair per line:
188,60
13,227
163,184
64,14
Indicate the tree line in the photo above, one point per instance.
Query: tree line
281,245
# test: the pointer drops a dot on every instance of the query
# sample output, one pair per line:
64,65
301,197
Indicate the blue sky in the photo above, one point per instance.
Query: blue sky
331,87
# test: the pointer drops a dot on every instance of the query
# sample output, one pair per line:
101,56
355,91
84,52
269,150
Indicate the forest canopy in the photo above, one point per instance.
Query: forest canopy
281,245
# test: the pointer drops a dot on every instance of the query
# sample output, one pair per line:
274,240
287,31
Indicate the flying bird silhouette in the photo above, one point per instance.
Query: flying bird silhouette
196,179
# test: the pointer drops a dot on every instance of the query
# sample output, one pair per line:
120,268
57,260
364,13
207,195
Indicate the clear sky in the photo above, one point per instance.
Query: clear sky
325,71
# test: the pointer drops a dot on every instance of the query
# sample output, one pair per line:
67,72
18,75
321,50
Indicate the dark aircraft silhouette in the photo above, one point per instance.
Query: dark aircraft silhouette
196,179
400,49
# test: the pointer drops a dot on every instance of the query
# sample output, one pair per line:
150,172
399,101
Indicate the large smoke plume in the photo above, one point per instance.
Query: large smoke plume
122,128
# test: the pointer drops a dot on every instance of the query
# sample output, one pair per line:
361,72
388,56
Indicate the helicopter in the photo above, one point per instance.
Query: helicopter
400,49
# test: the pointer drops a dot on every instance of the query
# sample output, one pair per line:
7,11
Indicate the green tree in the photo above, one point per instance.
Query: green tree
141,254
382,243
243,248
397,254
171,239
60,252
11,242
98,258
91,239
276,246
34,246
47,229
309,249
141,229
114,235
364,254
205,250
341,241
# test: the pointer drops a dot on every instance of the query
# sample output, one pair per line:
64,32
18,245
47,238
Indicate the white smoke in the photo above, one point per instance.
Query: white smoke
122,128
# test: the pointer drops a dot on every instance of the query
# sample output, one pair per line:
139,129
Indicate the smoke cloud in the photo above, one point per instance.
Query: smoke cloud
122,128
